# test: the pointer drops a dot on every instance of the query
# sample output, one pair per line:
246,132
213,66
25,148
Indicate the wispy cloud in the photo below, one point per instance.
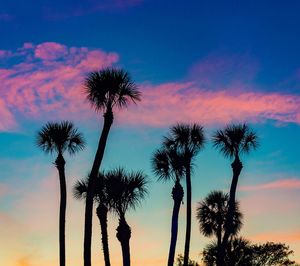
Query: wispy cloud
6,17
45,81
290,183
81,8
293,236
47,78
172,102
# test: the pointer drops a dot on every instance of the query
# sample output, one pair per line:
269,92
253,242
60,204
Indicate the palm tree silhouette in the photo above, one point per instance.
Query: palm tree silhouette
168,164
105,90
239,252
233,141
188,140
58,138
211,215
102,198
126,191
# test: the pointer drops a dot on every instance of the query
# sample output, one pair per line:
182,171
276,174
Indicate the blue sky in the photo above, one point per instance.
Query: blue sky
213,63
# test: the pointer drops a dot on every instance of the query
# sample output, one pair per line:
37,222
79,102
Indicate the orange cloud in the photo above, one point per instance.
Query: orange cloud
277,237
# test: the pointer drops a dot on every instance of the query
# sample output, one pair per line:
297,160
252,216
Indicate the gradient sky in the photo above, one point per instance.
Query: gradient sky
210,62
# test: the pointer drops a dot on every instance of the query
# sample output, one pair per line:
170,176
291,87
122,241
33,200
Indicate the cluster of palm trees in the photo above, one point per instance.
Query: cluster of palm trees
174,160
118,190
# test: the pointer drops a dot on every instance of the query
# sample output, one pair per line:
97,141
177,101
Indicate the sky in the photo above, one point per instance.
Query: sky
208,62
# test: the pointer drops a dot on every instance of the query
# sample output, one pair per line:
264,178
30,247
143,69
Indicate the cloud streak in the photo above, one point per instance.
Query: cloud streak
44,81
286,184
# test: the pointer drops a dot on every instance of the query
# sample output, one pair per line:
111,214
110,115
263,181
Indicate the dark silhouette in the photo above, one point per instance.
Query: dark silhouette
240,252
58,138
168,164
179,261
126,191
232,142
105,90
101,196
188,140
211,214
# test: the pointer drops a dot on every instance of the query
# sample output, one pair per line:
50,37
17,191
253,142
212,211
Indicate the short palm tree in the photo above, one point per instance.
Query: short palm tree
59,138
211,215
126,191
239,252
102,198
188,140
233,141
167,164
105,90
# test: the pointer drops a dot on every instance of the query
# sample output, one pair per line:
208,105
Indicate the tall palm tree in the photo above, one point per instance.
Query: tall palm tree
102,198
105,89
211,215
126,191
233,141
58,138
167,164
188,140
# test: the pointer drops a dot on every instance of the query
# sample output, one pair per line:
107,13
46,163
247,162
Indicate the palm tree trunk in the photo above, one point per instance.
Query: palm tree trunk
236,169
60,165
123,235
188,215
108,120
102,215
177,194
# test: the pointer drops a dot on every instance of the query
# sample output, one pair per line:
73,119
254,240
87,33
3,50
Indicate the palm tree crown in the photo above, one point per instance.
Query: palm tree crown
60,137
235,139
212,211
126,190
110,87
188,139
167,164
81,186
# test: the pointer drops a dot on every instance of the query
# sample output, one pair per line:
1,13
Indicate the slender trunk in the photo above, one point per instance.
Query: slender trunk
177,194
219,232
236,169
60,165
102,215
123,235
108,120
188,215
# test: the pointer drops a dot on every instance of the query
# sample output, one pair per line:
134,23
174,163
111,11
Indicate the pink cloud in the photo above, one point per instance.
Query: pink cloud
50,51
291,183
172,102
48,85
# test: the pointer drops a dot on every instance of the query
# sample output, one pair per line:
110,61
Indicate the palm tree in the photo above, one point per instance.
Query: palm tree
102,198
58,138
105,90
239,252
126,191
233,141
211,215
168,164
188,140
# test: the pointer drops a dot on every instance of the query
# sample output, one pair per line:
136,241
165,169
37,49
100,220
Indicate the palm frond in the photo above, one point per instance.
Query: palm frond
59,137
80,189
235,139
125,190
212,211
110,87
